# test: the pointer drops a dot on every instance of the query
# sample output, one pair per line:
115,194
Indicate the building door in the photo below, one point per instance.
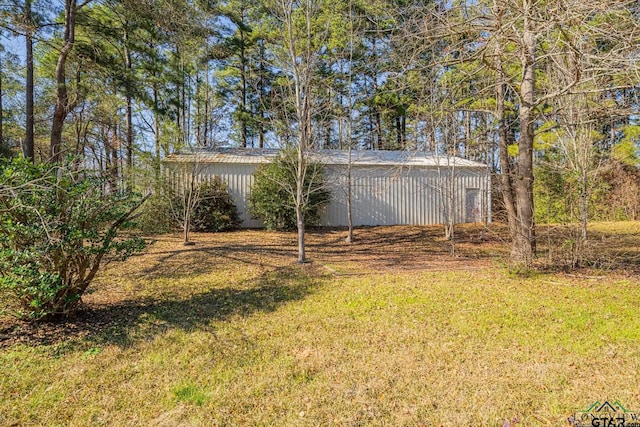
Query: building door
472,205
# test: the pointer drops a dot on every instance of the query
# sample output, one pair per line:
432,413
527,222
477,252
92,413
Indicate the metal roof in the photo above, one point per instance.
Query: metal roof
328,157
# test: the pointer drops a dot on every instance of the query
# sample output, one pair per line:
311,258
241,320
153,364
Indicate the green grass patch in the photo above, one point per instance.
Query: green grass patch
252,339
190,393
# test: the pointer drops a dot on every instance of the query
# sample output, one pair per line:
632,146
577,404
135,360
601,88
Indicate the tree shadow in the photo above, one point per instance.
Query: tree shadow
406,247
198,259
125,323
386,247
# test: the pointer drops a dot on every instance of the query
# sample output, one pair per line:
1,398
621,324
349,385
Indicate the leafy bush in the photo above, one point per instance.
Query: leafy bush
555,196
613,194
212,209
156,215
215,210
272,195
57,228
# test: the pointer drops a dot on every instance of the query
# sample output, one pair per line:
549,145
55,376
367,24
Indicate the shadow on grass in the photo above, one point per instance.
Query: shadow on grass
127,322
198,259
407,247
388,247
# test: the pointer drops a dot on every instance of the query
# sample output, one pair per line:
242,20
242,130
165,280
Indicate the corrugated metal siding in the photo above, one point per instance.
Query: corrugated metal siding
386,196
380,195
239,178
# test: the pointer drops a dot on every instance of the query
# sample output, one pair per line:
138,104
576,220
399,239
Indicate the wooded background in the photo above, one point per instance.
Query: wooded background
533,88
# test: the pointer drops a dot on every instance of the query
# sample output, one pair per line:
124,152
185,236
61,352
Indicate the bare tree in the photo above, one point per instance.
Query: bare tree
443,122
185,196
300,61
349,129
575,138
446,188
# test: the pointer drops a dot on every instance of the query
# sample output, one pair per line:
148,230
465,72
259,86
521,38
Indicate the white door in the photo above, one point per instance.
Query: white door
472,205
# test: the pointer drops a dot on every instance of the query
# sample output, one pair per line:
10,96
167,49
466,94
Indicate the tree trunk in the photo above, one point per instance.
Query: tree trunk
205,120
128,96
349,129
301,172
523,246
261,94
451,184
185,232
376,112
29,151
198,119
62,106
403,130
302,257
1,109
186,225
82,129
156,130
180,82
187,108
584,204
129,125
349,179
506,168
111,156
116,159
467,135
243,82
188,206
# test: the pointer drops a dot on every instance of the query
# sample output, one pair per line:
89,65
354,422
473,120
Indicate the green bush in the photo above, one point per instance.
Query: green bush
163,212
272,195
612,193
57,228
156,216
555,196
215,210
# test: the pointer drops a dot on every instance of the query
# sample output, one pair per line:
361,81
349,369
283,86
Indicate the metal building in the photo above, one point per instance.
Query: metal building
387,187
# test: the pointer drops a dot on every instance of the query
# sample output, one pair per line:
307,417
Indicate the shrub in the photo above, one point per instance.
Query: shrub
215,210
613,193
156,215
272,195
57,228
620,199
555,196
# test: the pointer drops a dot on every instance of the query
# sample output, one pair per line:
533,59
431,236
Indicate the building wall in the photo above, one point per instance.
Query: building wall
416,196
380,195
239,178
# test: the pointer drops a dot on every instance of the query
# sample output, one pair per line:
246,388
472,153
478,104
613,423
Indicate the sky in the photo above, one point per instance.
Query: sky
43,8
14,45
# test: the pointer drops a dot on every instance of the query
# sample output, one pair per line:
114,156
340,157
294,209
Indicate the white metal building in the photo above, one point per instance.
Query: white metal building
387,187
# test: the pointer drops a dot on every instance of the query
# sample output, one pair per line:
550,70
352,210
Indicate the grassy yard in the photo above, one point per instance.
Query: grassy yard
389,331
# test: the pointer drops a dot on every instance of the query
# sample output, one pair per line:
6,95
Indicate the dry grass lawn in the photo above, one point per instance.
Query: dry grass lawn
391,330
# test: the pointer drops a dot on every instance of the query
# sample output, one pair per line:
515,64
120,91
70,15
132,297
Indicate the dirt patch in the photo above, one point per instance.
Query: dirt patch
87,321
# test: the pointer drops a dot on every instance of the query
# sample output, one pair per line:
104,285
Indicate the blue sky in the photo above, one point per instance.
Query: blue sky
14,45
